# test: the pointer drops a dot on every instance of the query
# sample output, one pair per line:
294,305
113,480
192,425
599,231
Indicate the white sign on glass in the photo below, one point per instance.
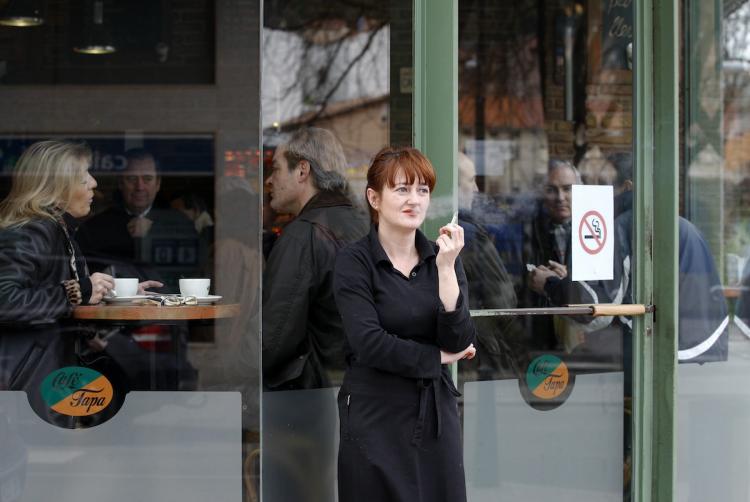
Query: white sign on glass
592,233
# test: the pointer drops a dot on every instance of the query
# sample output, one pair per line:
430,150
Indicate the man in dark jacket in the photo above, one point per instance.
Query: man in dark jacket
303,338
134,238
500,352
547,255
302,333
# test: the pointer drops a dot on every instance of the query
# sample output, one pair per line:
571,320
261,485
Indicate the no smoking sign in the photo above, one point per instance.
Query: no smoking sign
592,232
592,220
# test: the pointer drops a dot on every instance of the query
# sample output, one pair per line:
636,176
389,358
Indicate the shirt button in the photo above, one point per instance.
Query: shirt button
413,274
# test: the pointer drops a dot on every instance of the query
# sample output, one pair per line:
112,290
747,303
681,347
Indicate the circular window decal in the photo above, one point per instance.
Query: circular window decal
77,392
547,382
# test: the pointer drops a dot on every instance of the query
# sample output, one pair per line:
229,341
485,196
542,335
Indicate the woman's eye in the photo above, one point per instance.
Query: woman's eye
425,191
401,189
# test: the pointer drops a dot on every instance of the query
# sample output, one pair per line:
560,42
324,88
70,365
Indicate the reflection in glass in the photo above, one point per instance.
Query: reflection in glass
545,102
331,100
714,275
165,155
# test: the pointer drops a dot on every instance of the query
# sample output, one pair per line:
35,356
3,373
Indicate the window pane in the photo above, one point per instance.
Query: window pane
545,109
175,168
336,89
713,334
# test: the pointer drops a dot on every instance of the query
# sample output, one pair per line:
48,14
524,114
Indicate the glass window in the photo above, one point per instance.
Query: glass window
336,89
713,281
545,115
130,172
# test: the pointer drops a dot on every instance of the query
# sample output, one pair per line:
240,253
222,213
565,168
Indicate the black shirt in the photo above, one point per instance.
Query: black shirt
396,323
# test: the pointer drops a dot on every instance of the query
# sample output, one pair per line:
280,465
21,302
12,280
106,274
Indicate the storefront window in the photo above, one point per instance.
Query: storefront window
713,252
336,89
148,395
545,107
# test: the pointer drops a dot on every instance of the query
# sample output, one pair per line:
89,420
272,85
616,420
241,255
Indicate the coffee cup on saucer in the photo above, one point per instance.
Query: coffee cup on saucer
125,287
194,287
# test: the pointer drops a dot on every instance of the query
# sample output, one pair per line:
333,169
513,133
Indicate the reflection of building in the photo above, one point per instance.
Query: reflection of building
362,127
341,84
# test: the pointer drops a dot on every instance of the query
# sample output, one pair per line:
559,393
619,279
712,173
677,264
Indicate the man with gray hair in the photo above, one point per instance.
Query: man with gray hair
302,333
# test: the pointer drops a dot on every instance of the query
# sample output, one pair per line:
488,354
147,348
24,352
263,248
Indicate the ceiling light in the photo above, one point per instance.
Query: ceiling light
97,38
21,14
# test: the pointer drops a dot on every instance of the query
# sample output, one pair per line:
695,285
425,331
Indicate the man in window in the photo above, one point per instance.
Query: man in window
137,238
302,333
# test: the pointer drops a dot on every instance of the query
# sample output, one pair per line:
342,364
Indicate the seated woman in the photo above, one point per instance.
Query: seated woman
43,274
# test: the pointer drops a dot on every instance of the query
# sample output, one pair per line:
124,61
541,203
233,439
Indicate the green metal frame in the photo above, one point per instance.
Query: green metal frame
656,80
657,190
641,409
436,101
436,105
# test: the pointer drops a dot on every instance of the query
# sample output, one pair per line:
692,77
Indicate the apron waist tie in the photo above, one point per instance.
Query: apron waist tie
424,390
424,393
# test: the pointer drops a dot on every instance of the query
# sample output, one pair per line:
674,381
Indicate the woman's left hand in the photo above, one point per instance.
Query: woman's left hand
450,242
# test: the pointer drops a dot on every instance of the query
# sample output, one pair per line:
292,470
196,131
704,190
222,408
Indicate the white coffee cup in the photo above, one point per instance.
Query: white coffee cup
125,287
194,287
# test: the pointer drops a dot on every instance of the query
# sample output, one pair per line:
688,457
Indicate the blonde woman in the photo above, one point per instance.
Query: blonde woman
42,272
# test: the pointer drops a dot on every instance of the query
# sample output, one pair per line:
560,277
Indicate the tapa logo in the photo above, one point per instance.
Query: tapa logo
548,383
76,391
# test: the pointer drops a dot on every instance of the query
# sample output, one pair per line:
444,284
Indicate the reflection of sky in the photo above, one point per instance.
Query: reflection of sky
737,34
291,68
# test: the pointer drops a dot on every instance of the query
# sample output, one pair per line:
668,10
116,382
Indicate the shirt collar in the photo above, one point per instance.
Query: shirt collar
425,248
142,213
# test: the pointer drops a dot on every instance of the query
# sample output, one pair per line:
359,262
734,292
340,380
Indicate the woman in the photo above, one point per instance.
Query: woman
404,305
42,272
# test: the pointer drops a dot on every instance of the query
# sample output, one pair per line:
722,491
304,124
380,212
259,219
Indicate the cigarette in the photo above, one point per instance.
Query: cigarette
454,220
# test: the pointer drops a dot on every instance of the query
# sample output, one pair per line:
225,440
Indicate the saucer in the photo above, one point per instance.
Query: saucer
123,299
208,300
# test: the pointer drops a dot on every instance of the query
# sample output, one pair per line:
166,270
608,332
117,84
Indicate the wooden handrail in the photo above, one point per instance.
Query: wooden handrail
596,310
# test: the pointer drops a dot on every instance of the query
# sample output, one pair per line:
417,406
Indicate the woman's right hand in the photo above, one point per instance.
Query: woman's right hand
101,284
450,357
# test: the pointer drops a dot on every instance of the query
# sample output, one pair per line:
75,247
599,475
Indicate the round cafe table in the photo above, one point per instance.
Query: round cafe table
104,312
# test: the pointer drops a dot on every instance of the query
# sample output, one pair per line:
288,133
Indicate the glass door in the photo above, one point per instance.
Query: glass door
545,190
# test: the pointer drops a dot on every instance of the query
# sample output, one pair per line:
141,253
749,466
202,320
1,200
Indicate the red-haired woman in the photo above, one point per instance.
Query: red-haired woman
403,301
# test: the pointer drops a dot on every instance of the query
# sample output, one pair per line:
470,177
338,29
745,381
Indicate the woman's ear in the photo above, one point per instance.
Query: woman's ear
373,198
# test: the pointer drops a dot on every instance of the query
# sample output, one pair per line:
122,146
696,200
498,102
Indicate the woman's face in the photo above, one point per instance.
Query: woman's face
401,206
79,204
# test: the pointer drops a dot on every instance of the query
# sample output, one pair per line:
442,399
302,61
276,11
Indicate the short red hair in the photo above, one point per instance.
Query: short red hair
389,161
